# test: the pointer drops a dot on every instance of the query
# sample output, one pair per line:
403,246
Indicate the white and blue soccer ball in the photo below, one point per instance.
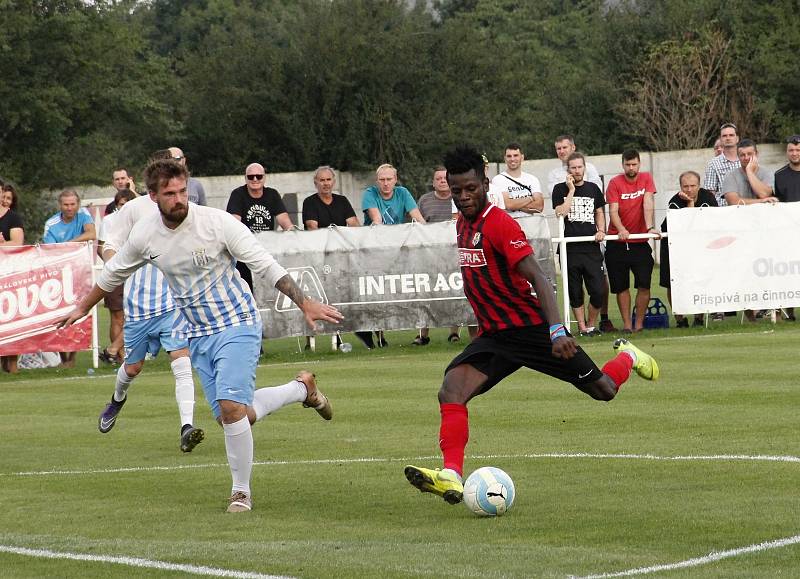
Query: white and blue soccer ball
489,492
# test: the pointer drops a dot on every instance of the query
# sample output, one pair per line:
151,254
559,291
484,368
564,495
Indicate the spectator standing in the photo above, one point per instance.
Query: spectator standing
12,234
787,178
750,183
387,203
436,206
260,208
581,204
565,146
120,180
197,194
326,208
71,223
690,195
787,184
112,354
718,167
718,147
520,193
631,201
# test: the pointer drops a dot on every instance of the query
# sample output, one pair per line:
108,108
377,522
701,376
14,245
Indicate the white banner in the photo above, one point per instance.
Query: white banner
734,258
390,277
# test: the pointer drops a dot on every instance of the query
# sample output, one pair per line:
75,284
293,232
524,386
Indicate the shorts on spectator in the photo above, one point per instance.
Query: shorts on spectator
622,258
585,267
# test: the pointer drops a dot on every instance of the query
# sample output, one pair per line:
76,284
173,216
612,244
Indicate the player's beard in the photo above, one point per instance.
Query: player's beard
176,215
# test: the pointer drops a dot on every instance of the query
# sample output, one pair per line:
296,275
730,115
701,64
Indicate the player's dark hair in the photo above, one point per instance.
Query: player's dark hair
463,158
746,143
514,147
159,172
630,154
125,194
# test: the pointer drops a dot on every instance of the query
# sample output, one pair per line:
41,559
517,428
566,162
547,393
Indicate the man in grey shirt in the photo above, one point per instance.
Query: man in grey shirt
195,188
750,183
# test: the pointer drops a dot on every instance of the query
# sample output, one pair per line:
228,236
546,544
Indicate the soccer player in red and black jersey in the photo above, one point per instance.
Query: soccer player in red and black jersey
519,324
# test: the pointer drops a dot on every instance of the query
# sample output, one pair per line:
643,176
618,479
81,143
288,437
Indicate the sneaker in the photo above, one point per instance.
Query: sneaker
191,437
607,326
593,332
109,416
682,323
366,338
240,503
453,338
645,365
421,341
445,484
315,399
108,358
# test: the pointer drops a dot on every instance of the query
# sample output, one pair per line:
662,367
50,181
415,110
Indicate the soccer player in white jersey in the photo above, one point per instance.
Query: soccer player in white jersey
150,315
197,248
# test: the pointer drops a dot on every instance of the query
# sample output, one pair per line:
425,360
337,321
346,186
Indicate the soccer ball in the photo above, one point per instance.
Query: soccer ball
489,492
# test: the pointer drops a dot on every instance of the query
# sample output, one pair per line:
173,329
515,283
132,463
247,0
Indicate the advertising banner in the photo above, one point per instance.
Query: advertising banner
734,258
38,285
388,277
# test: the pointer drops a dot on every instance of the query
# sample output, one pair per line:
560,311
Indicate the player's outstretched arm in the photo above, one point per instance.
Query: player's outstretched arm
312,310
563,346
82,309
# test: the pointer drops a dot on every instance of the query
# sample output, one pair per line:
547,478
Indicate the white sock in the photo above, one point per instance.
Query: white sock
184,388
632,355
122,385
239,446
268,400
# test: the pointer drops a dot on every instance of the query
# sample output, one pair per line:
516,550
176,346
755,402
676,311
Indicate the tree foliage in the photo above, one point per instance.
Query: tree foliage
87,86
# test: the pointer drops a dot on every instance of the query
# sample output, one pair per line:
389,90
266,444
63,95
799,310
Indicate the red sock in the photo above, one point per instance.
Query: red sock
453,435
619,368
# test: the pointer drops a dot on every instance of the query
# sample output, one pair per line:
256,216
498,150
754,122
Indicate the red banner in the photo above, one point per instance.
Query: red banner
39,285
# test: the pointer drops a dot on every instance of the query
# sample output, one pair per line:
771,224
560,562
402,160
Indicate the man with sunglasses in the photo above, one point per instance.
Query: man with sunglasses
725,162
260,208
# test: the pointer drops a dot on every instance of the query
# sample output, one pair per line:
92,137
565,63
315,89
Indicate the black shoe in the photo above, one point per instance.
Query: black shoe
606,326
366,338
453,338
191,437
682,323
420,341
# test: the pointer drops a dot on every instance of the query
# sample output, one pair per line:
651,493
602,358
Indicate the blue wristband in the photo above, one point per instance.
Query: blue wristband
557,331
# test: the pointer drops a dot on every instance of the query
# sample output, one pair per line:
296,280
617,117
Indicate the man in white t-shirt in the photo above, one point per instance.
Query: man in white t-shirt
565,146
517,192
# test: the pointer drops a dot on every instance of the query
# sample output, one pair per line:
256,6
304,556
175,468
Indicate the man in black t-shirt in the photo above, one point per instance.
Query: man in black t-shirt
581,204
260,208
787,178
690,195
326,208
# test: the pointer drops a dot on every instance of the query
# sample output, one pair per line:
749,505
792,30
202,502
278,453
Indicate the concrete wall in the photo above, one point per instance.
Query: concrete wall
295,187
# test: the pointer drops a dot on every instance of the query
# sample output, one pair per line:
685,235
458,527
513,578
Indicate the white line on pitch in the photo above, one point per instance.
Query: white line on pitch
575,455
704,560
137,562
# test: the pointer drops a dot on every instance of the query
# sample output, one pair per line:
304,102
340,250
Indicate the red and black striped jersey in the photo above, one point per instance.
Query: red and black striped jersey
489,250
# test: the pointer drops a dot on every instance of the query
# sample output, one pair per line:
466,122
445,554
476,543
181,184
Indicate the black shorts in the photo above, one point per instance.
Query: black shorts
502,353
585,267
623,258
663,268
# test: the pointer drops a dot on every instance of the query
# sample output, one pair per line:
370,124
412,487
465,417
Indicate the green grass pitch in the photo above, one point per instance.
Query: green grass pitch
601,487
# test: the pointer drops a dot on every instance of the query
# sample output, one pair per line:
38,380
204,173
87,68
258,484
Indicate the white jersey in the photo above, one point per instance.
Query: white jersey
198,259
559,175
517,187
146,293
